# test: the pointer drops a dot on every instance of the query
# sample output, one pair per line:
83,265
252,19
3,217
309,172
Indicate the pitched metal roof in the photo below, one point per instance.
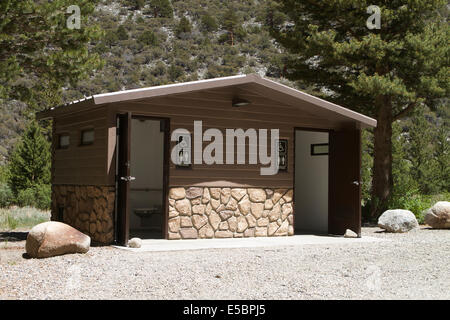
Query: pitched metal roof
283,92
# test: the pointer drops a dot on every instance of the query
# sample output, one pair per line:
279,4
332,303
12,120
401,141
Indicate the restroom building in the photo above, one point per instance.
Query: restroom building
113,177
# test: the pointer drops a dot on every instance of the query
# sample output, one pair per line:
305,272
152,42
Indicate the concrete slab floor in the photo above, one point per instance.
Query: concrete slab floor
152,245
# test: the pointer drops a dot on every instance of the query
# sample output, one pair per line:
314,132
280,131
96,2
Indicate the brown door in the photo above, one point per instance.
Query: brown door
123,177
344,182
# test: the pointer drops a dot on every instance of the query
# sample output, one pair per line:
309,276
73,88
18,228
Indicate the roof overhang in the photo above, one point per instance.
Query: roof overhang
278,90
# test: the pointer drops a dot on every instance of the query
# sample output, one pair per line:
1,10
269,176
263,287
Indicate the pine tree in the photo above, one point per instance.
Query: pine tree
136,4
420,152
384,73
230,24
184,27
161,8
148,38
404,182
29,165
442,151
37,46
122,33
208,23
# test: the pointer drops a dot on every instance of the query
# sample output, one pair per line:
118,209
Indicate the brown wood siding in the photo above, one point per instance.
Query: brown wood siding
78,164
215,110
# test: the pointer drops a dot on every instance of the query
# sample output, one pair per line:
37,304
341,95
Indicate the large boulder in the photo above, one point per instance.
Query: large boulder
53,238
438,216
397,221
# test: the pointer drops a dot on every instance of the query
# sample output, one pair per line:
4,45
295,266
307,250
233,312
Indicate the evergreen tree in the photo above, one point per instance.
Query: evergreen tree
122,33
231,25
111,38
384,73
136,4
366,164
184,27
38,48
208,23
442,150
148,38
420,152
272,14
161,8
29,164
404,182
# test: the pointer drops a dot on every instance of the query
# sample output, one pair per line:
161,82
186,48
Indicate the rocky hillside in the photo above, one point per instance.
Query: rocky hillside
155,42
180,41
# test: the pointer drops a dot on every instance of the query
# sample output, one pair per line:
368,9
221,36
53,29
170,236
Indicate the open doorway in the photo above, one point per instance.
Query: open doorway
311,181
146,194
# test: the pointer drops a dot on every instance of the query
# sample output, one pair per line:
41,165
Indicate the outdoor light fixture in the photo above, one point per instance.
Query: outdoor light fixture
238,102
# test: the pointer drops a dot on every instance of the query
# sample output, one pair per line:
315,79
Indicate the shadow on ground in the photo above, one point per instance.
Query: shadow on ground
13,236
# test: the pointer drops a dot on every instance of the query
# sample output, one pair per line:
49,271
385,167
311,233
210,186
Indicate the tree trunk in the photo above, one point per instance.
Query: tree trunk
382,181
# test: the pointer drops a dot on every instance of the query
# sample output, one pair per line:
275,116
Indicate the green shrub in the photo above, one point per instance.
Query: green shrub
412,201
183,28
25,198
148,38
122,33
37,196
209,23
6,195
43,197
29,163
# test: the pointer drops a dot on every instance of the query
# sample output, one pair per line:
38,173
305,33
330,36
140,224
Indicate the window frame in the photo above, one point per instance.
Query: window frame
60,135
313,153
82,143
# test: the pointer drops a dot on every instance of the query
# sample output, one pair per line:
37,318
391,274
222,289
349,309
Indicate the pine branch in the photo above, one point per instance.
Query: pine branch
405,111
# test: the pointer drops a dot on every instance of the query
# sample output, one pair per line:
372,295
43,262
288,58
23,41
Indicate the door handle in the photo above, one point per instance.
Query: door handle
128,178
356,183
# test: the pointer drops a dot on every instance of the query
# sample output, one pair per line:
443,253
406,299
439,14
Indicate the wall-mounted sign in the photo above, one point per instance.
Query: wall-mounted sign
282,154
184,151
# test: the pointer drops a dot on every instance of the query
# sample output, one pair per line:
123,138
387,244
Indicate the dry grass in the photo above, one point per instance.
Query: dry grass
21,218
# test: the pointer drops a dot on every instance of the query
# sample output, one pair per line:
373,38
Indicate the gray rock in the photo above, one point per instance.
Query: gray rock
350,234
398,220
54,238
438,216
135,243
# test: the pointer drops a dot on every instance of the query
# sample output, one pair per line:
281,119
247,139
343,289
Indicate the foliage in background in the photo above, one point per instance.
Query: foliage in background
383,73
38,52
29,169
420,150
200,40
6,195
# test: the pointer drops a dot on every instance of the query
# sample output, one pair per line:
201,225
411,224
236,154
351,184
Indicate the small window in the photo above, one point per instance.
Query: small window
319,149
282,155
87,137
63,141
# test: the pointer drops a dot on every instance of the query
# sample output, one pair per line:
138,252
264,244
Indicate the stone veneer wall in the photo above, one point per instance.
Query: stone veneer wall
198,212
90,209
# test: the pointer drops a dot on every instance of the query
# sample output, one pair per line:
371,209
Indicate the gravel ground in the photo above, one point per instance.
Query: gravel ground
415,265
